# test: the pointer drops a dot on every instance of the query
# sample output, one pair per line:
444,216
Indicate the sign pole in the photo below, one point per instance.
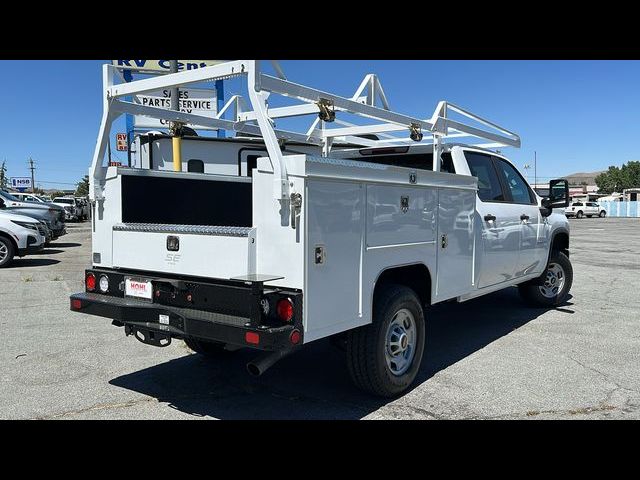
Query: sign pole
128,77
176,128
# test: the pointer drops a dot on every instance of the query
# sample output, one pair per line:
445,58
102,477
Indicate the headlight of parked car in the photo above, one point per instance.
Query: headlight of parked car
30,226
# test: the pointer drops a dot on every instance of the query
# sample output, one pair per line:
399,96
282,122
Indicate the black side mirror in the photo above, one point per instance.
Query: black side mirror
558,195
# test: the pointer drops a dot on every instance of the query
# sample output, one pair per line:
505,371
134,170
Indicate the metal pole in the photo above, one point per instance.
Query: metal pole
176,127
33,183
535,168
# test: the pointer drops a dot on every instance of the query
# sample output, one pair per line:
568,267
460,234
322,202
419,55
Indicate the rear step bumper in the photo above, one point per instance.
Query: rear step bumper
159,321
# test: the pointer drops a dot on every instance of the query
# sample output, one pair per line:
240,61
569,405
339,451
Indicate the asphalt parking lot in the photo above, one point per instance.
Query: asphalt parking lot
492,357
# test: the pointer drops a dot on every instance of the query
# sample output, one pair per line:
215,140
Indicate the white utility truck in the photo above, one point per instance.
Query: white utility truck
273,239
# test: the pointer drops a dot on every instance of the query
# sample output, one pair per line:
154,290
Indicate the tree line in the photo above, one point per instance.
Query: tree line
617,179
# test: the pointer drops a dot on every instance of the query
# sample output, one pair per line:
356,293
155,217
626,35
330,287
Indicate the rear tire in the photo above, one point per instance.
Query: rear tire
557,277
579,214
603,214
384,357
208,349
6,252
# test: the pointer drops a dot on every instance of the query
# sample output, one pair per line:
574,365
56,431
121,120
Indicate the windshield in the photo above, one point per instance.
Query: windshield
64,200
8,196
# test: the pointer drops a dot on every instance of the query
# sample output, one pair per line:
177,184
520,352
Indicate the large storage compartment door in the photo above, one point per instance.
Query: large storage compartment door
335,218
455,242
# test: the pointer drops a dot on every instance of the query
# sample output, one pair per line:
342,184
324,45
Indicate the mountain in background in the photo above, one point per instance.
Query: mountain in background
581,178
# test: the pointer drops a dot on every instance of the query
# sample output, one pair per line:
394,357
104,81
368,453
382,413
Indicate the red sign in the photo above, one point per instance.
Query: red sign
121,142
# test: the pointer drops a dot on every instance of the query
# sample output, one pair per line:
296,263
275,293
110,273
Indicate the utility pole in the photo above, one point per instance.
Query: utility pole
33,182
535,168
176,127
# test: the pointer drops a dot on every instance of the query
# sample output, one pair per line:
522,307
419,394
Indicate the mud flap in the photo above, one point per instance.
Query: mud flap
149,337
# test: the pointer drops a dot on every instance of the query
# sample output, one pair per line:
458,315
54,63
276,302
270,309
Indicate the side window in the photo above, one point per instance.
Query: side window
195,166
518,188
447,163
481,167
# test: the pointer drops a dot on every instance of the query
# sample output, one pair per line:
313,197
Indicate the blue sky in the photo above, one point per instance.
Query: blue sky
577,115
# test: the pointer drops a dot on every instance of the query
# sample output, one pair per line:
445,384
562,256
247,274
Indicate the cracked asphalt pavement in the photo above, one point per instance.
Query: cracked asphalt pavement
493,357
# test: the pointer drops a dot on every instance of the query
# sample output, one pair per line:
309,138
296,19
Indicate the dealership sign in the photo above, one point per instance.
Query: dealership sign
21,183
163,65
201,102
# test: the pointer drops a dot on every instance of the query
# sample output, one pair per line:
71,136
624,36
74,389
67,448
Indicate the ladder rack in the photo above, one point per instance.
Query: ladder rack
368,102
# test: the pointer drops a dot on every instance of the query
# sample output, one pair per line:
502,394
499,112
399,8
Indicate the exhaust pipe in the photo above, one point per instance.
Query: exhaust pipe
261,364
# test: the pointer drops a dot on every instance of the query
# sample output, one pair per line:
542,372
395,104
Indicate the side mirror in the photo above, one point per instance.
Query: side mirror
558,195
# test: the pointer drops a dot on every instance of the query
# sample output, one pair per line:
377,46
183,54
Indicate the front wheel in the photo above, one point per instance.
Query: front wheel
384,357
579,214
603,214
553,286
6,252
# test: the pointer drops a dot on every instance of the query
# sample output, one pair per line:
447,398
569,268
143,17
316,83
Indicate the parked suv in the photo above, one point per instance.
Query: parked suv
52,215
72,209
582,209
19,235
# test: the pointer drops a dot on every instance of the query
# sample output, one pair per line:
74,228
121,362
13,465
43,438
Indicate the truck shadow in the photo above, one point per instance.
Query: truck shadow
314,383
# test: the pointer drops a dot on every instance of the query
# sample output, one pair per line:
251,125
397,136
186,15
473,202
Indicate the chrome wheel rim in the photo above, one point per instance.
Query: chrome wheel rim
553,281
400,346
4,251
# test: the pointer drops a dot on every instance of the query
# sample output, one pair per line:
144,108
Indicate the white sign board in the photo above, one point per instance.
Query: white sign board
164,65
197,101
21,182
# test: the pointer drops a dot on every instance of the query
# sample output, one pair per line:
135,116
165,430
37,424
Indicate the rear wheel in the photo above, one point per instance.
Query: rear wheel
553,286
579,214
208,349
384,357
603,214
6,252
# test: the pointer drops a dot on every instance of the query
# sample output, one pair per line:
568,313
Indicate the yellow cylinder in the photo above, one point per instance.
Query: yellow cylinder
177,154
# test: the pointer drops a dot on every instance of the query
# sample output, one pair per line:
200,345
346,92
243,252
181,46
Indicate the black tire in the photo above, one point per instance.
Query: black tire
367,345
579,214
208,349
532,291
7,251
602,214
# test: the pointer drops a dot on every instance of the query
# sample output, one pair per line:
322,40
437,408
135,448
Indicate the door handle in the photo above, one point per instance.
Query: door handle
489,218
524,217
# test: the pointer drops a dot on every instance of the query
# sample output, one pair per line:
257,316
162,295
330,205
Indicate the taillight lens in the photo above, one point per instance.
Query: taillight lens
104,283
90,282
284,309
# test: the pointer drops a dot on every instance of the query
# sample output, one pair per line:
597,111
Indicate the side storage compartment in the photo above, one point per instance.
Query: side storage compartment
335,225
455,242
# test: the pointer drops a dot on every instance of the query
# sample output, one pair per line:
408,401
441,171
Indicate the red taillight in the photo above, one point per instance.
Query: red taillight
295,337
76,304
90,282
252,337
285,309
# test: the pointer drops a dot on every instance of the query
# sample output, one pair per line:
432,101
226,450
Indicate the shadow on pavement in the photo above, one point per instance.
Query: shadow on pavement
32,262
65,245
314,383
47,251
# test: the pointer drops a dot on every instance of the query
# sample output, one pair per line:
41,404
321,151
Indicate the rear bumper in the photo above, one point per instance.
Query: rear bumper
177,322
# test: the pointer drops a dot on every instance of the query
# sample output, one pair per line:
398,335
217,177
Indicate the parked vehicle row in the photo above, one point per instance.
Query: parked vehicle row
27,227
75,208
585,209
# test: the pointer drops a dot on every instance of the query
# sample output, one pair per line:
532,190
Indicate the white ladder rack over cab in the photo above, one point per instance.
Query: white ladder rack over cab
392,129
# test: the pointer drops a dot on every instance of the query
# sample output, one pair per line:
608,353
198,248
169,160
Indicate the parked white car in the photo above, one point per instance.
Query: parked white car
19,235
585,209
